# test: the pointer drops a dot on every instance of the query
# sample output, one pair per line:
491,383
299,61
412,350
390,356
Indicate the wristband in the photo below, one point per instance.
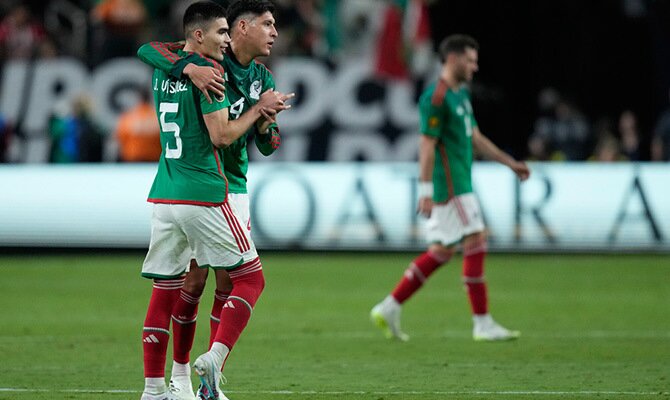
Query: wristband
425,189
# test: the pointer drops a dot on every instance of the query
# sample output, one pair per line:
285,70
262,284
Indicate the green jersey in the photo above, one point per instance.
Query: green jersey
244,85
189,169
446,114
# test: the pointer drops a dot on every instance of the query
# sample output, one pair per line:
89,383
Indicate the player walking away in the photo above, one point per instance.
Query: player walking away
449,133
253,33
192,217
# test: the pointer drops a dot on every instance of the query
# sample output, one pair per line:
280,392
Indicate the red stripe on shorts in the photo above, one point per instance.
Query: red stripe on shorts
227,217
243,237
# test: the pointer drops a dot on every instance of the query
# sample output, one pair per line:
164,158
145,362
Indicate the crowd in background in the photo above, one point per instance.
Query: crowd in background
396,32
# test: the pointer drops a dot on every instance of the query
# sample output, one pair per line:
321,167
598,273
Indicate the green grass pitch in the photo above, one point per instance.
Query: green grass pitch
593,326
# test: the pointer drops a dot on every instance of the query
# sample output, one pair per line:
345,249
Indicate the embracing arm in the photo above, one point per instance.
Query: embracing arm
199,70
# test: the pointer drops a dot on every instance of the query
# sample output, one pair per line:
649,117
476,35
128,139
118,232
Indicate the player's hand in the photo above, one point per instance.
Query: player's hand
207,79
521,170
286,97
269,115
274,100
425,206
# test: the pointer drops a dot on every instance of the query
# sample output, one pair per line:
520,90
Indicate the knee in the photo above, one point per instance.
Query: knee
249,286
223,282
195,281
441,252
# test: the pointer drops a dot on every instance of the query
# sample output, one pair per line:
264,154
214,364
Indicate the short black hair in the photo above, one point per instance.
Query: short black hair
457,43
240,7
200,14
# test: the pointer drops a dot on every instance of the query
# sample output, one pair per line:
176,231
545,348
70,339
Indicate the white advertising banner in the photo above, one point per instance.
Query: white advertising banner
363,206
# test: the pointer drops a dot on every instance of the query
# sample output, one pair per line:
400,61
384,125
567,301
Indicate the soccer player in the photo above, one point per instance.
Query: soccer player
253,33
449,134
192,217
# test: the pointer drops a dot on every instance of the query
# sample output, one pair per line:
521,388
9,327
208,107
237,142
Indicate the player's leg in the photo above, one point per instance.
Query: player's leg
223,288
184,315
240,203
386,314
475,247
226,245
165,263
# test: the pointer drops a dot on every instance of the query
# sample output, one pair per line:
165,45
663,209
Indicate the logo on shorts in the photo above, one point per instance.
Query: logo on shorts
433,122
220,98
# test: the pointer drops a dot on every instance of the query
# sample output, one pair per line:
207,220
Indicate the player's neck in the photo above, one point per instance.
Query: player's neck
243,57
448,76
191,47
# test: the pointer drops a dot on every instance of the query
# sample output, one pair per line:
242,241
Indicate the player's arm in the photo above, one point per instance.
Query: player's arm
488,149
430,125
427,145
267,138
223,131
200,71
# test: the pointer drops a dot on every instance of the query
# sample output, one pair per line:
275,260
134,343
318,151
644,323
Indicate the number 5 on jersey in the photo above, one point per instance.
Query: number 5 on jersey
170,127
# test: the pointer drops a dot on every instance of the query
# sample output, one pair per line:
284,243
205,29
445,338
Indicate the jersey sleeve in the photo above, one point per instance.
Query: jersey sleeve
163,56
158,55
217,104
431,117
269,142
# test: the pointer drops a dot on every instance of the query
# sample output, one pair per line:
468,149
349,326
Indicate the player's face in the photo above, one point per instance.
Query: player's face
262,33
215,39
468,64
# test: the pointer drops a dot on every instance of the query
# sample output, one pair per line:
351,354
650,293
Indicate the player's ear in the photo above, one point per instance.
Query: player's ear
198,35
242,25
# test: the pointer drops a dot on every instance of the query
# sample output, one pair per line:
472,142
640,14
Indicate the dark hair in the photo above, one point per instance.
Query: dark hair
457,43
200,14
240,7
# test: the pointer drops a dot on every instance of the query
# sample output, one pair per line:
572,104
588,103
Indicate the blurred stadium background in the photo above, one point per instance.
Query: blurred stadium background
579,88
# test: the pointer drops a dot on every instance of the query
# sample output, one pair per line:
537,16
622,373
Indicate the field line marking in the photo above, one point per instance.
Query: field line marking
376,392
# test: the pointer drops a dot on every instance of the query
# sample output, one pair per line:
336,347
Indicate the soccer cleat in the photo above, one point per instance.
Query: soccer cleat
201,395
180,389
210,375
147,396
488,330
387,318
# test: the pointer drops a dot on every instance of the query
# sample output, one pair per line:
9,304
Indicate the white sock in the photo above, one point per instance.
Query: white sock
390,303
219,352
479,319
154,385
181,370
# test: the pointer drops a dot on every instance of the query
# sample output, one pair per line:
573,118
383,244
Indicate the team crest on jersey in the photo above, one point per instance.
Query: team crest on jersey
433,122
255,90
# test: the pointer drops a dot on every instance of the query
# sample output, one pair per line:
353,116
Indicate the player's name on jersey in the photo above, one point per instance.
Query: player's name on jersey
171,86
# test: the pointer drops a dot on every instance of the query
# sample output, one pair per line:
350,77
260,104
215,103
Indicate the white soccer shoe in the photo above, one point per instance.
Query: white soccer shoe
386,316
147,396
180,389
487,330
201,395
210,375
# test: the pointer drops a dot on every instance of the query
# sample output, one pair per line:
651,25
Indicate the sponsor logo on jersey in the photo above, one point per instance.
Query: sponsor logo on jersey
255,90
